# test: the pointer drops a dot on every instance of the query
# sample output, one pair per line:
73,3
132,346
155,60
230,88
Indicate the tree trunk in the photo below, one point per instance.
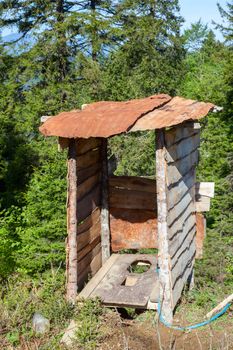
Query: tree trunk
94,37
62,49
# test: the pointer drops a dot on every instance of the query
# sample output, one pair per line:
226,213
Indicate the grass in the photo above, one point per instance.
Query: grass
22,296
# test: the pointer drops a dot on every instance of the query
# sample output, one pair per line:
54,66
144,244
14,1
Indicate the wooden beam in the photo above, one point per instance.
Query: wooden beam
202,204
166,300
201,233
105,226
205,189
71,247
220,306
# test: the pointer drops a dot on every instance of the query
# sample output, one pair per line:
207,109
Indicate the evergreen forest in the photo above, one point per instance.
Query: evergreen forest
68,53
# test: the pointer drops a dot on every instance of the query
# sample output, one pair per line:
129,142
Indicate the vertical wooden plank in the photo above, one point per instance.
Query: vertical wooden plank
71,248
180,174
166,301
105,228
201,233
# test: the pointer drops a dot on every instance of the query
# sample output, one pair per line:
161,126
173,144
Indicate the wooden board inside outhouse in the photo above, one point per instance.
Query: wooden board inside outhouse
126,280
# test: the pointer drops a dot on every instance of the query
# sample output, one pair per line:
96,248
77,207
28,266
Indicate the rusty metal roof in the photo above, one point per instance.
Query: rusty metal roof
176,111
107,118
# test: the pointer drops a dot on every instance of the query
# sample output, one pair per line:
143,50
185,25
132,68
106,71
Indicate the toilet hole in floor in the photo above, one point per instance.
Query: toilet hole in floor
139,266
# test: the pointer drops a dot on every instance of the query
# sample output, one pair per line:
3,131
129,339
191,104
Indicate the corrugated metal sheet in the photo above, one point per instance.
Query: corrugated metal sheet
175,112
107,118
101,119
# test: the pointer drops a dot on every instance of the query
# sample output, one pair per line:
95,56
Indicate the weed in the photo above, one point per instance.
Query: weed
88,319
22,297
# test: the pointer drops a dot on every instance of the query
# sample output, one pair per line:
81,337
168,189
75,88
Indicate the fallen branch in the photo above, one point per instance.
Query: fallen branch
220,306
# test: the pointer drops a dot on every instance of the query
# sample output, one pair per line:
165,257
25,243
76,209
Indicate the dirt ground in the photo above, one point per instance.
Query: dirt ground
126,334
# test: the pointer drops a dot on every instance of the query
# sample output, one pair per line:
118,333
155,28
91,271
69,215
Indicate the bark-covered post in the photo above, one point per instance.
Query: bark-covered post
71,245
105,230
166,302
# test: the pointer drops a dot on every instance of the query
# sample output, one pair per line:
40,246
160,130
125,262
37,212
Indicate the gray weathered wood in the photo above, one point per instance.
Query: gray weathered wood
180,284
179,133
105,224
177,228
112,289
182,167
182,157
94,282
179,208
182,257
204,189
188,228
178,190
166,298
71,287
182,272
203,204
183,148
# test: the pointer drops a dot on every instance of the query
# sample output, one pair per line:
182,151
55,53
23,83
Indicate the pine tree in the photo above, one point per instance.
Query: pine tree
150,57
227,16
227,31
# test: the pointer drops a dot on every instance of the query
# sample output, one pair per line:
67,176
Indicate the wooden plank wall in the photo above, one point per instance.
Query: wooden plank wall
132,205
181,143
88,207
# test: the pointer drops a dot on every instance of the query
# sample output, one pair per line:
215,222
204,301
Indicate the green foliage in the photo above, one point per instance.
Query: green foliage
151,51
88,316
22,297
139,159
195,36
44,223
10,222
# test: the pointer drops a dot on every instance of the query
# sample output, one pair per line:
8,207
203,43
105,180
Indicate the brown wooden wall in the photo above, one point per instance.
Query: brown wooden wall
88,207
132,206
181,144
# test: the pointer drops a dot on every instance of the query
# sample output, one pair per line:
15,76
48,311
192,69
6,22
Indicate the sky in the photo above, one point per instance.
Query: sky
207,10
192,11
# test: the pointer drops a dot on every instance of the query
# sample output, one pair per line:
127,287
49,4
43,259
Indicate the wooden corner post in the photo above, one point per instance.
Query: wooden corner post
71,243
105,229
166,302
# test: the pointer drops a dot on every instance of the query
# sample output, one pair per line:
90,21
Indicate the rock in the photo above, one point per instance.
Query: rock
69,335
40,324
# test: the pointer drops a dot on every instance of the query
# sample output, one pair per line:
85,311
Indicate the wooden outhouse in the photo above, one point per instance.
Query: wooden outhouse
107,214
